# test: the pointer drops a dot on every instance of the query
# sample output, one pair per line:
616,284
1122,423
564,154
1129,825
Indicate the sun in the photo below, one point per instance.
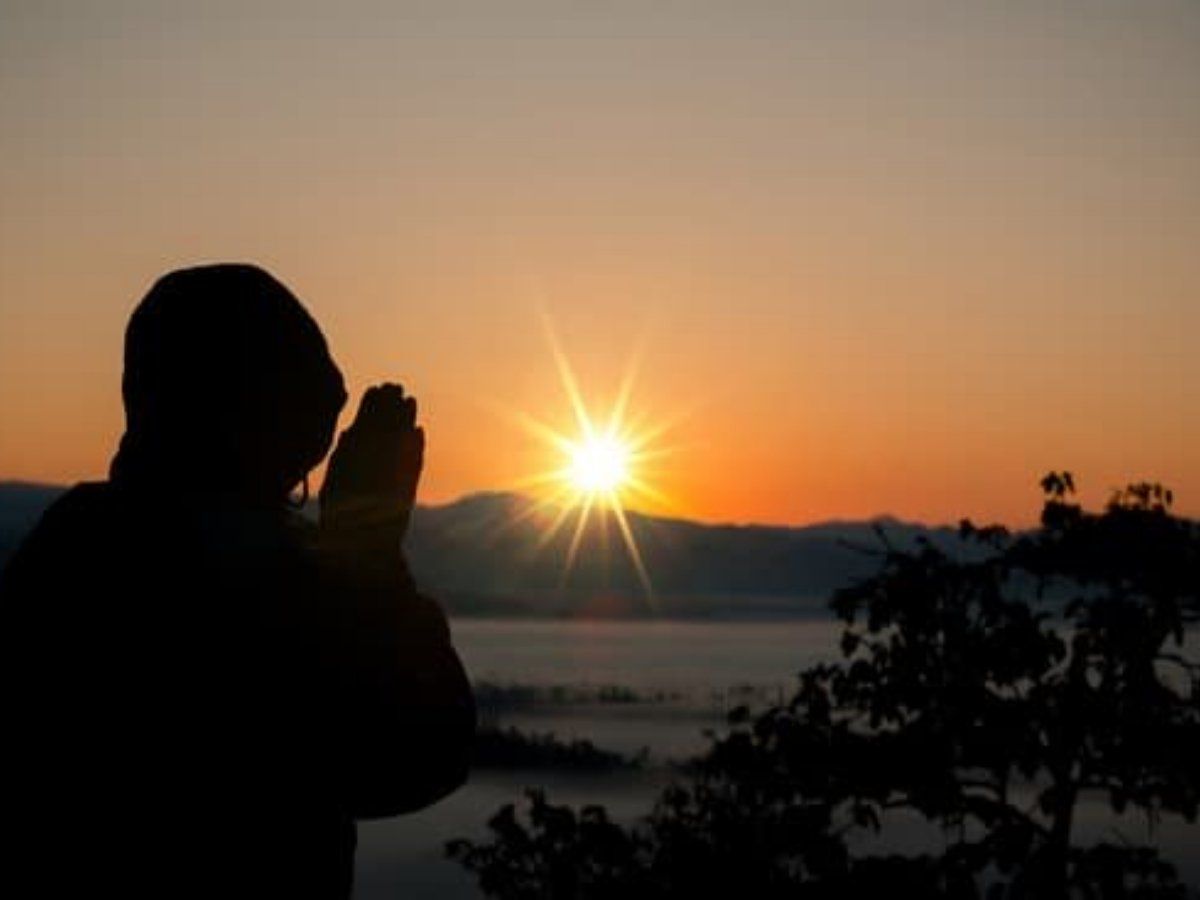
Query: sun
602,468
598,464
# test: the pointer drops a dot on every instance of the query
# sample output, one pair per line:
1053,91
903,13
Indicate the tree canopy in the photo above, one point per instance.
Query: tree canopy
983,690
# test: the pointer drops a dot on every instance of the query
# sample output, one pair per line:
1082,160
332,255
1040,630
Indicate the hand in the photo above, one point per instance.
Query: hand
371,481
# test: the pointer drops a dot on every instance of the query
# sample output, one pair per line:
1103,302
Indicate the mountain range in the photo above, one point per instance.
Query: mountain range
495,554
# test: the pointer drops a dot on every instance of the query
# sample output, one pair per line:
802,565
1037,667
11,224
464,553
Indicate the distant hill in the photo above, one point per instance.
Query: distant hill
489,554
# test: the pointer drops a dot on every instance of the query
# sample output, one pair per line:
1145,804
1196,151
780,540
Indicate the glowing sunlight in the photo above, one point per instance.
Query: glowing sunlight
599,464
598,471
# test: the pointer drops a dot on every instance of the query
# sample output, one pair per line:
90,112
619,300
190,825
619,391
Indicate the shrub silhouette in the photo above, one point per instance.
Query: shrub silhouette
983,691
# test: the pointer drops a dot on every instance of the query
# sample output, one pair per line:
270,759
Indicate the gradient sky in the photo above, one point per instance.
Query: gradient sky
892,257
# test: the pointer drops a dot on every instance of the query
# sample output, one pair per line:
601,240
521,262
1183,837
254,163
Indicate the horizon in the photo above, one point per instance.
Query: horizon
861,258
633,510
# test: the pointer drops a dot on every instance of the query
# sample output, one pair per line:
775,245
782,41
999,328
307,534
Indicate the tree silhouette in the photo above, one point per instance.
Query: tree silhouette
984,690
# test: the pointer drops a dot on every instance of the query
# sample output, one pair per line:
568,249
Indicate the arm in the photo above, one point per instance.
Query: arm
401,695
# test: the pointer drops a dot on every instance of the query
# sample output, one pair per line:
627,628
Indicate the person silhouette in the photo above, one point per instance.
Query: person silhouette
201,689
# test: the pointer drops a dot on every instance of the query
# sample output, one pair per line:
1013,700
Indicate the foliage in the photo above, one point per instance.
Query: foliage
980,696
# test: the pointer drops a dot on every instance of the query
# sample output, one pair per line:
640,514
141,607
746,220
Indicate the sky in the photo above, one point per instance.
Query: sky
871,258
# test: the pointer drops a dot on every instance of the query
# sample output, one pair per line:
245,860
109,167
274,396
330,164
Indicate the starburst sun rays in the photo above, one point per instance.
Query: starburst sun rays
601,469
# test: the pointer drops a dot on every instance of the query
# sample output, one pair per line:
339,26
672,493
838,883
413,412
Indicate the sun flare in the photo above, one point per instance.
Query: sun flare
603,467
599,464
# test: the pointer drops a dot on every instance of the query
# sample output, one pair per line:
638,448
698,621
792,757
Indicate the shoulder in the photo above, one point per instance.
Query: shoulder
79,504
67,527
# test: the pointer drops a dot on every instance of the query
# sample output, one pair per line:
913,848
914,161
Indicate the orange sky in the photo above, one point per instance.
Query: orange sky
888,257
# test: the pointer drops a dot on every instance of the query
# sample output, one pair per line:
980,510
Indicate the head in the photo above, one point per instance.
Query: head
228,386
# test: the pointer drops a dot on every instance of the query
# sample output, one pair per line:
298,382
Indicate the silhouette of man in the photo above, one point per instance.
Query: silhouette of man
202,690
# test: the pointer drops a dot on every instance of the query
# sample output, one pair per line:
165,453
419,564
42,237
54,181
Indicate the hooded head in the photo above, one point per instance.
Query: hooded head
228,386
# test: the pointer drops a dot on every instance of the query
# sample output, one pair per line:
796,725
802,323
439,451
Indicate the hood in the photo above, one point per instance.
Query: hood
228,386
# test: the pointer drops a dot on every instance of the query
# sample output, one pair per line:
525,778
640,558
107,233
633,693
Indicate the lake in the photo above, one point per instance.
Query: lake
671,680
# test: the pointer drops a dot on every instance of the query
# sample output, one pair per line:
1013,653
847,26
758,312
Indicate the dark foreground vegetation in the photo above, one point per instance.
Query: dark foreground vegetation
983,694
